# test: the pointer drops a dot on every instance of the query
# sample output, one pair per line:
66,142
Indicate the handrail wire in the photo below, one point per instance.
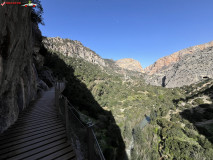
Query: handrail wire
99,148
94,136
72,107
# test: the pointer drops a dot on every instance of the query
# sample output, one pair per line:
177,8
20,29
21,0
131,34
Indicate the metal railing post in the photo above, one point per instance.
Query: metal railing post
91,152
59,86
56,95
66,116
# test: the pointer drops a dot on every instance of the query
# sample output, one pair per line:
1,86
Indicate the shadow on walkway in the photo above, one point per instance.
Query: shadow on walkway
37,134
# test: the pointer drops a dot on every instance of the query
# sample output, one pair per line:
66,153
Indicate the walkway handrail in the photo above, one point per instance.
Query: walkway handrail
98,146
94,149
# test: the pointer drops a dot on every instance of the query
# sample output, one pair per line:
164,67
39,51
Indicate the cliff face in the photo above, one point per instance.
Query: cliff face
162,63
72,49
130,64
75,49
189,69
18,79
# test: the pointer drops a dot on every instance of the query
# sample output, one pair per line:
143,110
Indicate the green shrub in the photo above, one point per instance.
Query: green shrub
198,101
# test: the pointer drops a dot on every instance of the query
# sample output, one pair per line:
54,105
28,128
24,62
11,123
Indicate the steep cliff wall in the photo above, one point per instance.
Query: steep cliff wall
72,48
17,72
162,63
189,69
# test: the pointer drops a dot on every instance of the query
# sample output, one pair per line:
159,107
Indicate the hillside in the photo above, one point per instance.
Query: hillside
72,48
162,63
76,49
189,68
165,113
186,130
128,98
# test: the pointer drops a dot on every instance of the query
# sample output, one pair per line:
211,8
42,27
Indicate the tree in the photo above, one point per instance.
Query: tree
37,13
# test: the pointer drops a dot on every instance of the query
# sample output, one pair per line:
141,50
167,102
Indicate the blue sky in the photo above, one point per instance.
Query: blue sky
144,30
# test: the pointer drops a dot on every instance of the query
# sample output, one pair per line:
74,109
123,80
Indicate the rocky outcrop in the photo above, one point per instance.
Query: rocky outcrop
189,69
19,54
129,64
162,63
75,49
72,48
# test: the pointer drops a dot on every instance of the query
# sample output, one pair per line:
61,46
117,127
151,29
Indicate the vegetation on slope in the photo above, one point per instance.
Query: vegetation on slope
186,131
110,98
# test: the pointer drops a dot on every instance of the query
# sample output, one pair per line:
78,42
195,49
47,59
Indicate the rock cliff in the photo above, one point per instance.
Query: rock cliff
19,47
130,64
76,49
189,69
162,63
17,73
72,48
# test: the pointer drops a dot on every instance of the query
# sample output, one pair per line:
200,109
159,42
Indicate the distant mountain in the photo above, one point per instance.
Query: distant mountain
76,49
161,63
182,68
72,48
118,101
130,64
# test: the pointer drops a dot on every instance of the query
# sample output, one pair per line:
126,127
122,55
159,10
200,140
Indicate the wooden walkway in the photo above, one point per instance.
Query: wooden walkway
38,134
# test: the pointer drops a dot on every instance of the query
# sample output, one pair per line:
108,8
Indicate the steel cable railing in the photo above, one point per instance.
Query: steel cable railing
78,132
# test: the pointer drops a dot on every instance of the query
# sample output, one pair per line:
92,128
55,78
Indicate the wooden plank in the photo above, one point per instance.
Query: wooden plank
38,152
28,144
23,136
56,154
43,110
68,155
32,148
42,119
30,138
36,119
28,128
37,114
48,151
21,132
33,125
15,145
38,133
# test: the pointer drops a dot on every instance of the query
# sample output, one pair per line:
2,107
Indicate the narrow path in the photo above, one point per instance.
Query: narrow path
38,133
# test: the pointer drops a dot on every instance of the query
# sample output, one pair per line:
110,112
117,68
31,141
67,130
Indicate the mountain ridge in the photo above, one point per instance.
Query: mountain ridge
175,57
74,48
130,64
181,68
191,68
